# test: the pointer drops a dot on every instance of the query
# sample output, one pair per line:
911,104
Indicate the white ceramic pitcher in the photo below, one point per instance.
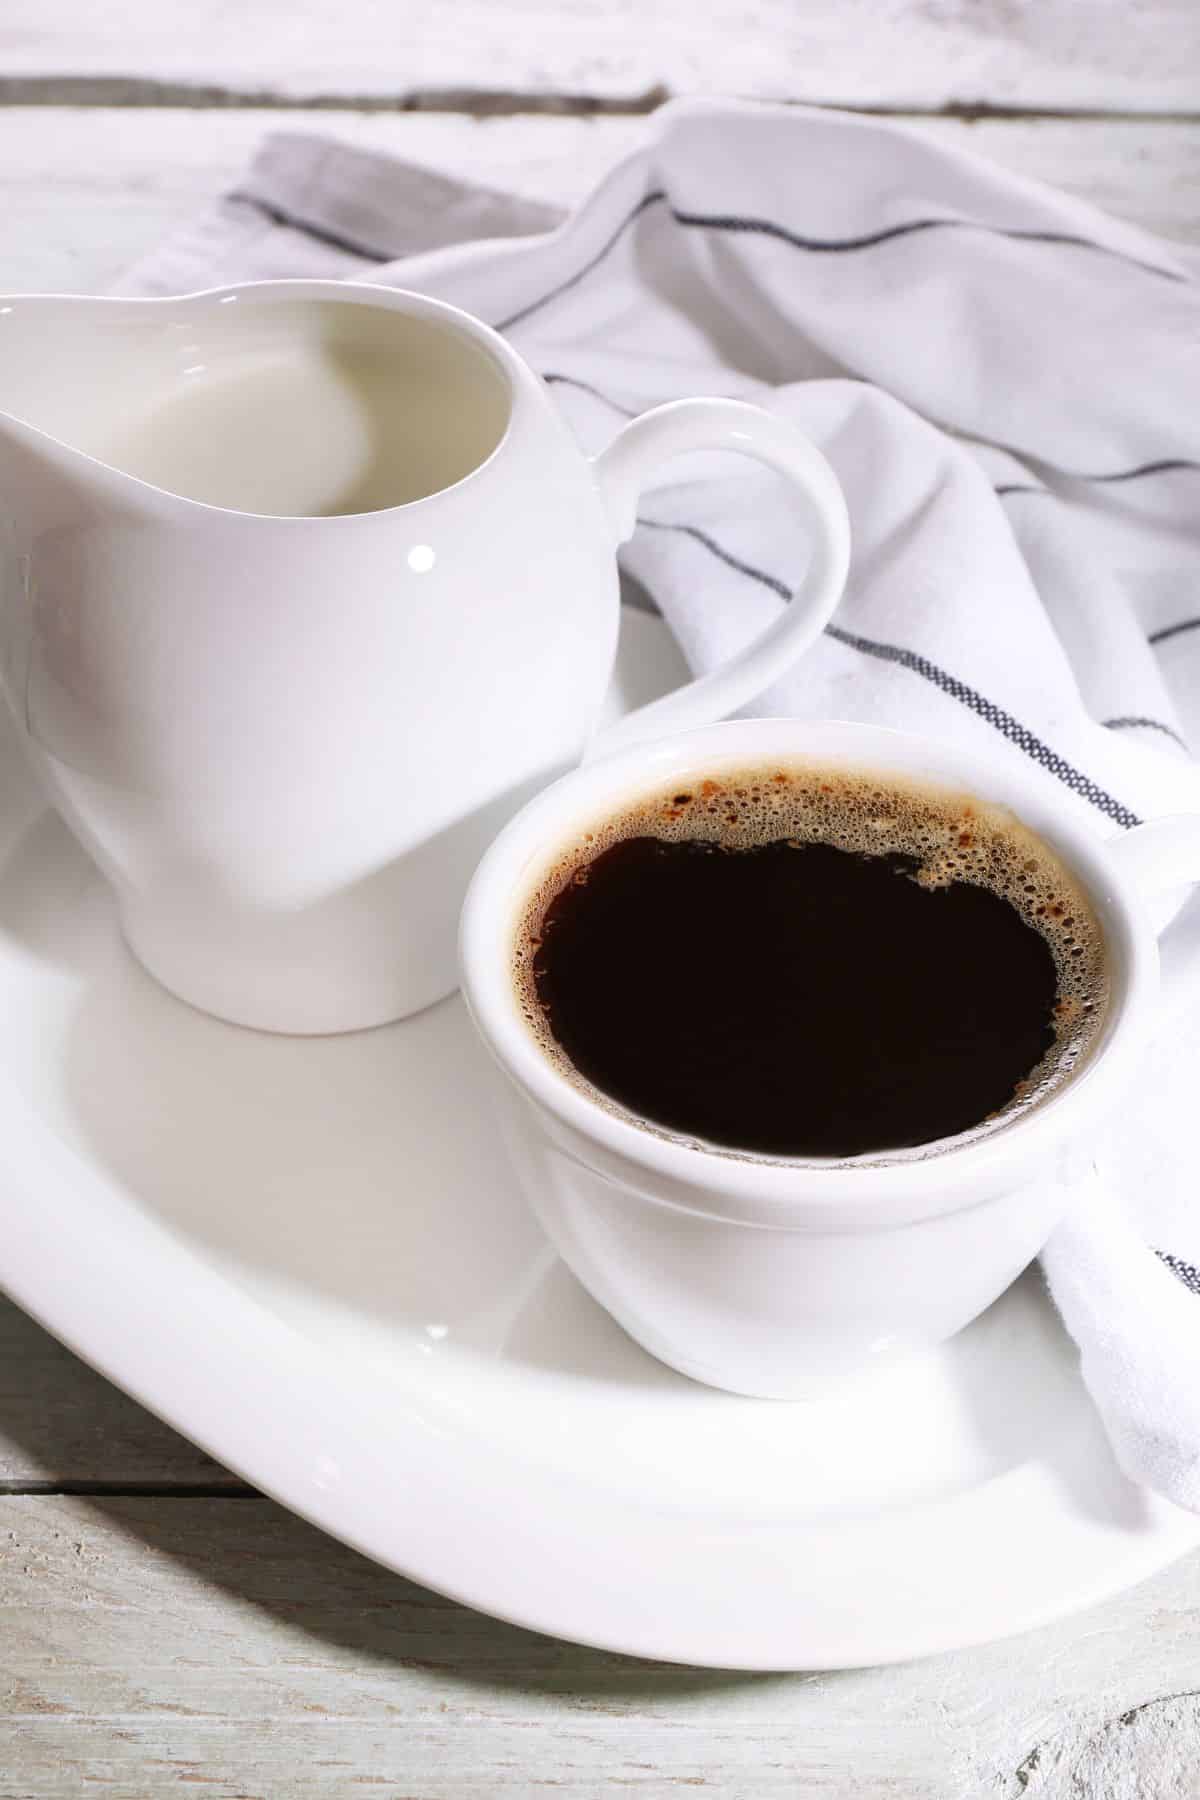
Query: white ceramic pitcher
305,589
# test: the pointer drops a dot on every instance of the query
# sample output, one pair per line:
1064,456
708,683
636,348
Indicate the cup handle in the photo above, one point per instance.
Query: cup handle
1156,858
621,472
1161,855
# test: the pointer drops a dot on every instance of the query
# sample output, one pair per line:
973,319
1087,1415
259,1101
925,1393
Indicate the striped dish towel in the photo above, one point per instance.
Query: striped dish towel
1007,383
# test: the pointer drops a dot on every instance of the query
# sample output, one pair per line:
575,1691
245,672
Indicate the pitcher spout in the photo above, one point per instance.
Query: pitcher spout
71,369
278,399
60,364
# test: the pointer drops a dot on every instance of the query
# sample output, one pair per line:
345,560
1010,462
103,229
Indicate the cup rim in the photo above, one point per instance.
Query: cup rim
794,1191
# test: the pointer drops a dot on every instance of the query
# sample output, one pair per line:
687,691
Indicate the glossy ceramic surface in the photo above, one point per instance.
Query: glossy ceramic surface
284,691
309,1255
773,1276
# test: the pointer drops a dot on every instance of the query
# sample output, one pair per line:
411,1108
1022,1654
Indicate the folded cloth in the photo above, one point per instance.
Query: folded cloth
1007,383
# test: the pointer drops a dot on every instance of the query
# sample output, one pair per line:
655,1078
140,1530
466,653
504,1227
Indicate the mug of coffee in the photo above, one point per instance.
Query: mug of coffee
807,1030
306,587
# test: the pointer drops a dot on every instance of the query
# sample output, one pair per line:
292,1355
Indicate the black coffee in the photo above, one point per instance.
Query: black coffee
808,963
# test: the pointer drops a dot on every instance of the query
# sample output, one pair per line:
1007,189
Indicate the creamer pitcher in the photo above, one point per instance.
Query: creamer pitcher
306,587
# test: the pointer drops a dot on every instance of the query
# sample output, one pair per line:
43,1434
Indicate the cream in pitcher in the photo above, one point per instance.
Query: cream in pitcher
306,587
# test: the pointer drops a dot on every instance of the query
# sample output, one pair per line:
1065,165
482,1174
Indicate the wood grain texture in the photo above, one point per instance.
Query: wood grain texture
85,192
150,1645
155,1645
1151,1752
913,53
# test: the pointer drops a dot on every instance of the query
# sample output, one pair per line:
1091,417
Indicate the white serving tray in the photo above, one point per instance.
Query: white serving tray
309,1256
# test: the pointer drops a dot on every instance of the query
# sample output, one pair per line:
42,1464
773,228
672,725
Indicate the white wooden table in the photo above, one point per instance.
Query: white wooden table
163,1627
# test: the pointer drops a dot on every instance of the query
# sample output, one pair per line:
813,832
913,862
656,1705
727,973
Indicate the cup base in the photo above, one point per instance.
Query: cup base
263,993
810,1375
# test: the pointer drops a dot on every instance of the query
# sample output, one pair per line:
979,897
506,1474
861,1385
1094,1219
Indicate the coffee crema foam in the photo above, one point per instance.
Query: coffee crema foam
951,836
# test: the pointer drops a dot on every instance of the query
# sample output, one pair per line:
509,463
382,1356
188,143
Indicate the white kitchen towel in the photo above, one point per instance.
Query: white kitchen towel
1007,383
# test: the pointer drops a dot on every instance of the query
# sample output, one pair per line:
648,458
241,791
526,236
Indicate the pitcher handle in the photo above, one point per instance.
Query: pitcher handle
621,472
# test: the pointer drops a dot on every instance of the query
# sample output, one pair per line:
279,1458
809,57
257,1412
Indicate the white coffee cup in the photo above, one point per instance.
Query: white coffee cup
767,1275
285,736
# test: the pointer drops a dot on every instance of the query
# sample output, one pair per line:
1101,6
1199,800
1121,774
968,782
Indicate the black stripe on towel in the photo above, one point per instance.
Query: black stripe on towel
996,716
731,222
1187,1272
822,246
1176,630
726,556
1004,722
585,387
1165,466
1132,720
278,215
564,287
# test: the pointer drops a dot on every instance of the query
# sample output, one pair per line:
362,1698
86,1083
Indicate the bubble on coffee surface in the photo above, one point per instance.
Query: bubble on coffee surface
951,836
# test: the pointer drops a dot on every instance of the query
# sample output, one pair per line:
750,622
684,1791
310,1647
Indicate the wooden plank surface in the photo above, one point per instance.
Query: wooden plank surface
224,1643
926,54
84,192
172,1641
